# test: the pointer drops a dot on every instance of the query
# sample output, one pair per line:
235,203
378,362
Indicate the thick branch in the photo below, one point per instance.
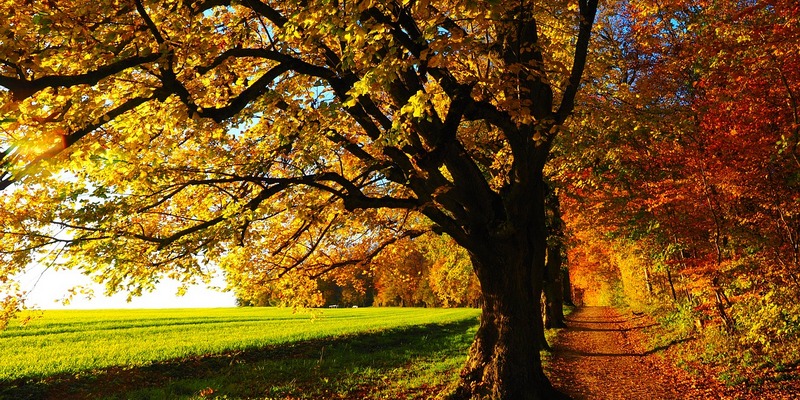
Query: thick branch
22,89
588,9
198,7
149,22
295,64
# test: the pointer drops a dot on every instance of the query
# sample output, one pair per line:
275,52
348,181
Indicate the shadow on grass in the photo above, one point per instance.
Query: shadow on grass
409,362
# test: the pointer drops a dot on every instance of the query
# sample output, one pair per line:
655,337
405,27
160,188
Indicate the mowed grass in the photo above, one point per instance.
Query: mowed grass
236,353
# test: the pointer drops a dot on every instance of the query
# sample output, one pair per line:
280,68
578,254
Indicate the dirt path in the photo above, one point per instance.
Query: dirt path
601,356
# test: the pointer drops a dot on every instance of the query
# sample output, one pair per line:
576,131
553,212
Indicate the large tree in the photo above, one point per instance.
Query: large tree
284,140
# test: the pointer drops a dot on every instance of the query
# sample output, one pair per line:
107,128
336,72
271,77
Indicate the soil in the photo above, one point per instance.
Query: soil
601,356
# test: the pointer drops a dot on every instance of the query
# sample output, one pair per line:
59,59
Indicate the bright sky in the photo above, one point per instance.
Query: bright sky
53,286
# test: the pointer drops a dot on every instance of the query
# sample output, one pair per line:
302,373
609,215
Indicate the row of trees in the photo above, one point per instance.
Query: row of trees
430,271
684,191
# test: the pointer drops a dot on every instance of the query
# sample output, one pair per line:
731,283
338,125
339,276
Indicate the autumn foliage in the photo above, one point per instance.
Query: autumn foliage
430,271
312,150
290,142
684,189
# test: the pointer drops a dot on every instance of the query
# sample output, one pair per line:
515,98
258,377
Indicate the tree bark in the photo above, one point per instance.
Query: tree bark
566,287
504,361
554,295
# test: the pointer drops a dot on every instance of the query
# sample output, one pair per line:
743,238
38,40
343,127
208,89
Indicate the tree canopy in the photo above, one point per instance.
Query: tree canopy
288,140
681,182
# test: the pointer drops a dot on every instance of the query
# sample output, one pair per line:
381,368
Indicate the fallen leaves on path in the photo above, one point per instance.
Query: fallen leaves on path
603,355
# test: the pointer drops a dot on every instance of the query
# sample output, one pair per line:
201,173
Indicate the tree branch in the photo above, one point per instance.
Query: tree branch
588,10
22,89
68,140
413,233
149,22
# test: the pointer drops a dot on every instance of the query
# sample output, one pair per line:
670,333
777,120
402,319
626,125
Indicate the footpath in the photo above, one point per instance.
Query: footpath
601,356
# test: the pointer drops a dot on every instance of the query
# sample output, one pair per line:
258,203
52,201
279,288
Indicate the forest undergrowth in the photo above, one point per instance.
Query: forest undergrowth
748,357
615,353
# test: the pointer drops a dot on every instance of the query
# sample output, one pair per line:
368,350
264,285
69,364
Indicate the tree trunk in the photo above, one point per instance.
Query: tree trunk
504,360
719,296
554,295
648,282
566,287
672,285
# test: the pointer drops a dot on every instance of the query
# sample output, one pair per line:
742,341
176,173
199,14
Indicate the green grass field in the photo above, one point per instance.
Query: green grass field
235,353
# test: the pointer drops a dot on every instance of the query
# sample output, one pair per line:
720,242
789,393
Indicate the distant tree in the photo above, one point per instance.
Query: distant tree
430,271
401,277
451,277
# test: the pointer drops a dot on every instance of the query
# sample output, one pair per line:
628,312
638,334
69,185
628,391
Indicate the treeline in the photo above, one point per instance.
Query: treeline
428,271
682,181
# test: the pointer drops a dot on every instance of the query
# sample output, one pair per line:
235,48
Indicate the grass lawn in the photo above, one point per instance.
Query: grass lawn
261,353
